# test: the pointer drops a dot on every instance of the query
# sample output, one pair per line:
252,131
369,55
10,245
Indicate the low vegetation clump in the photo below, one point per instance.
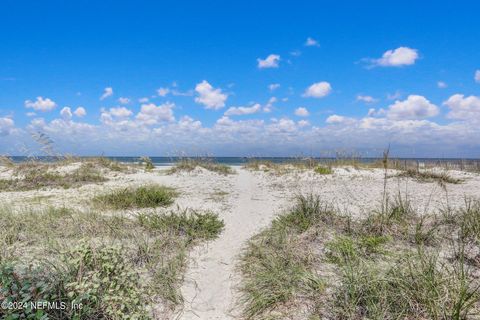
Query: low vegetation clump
148,163
288,166
41,176
190,223
323,170
430,176
149,196
276,266
392,264
191,164
114,266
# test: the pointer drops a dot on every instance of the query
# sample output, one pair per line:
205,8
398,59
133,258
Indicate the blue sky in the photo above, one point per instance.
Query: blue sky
241,78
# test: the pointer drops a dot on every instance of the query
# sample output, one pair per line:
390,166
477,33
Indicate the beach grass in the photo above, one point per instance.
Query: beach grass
190,164
147,196
115,266
39,176
392,264
429,176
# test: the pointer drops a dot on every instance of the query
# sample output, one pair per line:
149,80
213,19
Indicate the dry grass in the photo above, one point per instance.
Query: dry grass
33,174
288,166
190,164
37,176
430,176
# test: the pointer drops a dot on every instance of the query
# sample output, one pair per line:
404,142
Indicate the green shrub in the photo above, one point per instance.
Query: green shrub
101,281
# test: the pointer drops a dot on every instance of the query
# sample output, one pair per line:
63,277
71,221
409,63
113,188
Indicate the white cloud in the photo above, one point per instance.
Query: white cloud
310,42
189,124
41,104
477,76
162,92
402,56
31,114
269,106
208,96
6,126
271,61
303,123
143,100
335,119
151,114
366,99
66,113
318,90
237,111
80,112
464,108
284,125
107,92
414,107
273,86
123,100
441,85
301,112
120,112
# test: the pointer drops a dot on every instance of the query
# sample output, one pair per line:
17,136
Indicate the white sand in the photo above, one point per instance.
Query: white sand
251,202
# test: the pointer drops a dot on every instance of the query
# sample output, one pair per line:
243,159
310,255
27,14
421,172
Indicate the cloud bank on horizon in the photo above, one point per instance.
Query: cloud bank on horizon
298,94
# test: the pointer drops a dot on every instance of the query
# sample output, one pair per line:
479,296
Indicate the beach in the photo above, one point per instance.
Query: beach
247,201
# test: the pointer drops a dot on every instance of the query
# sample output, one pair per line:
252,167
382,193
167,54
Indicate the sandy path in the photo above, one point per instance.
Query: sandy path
210,281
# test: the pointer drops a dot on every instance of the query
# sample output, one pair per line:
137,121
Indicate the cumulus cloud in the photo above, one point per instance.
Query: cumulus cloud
464,108
477,76
336,119
120,112
80,112
303,123
318,90
273,86
41,104
123,100
271,61
66,113
210,97
414,107
442,84
6,126
402,56
143,100
366,99
301,112
151,114
107,92
284,125
237,111
310,42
